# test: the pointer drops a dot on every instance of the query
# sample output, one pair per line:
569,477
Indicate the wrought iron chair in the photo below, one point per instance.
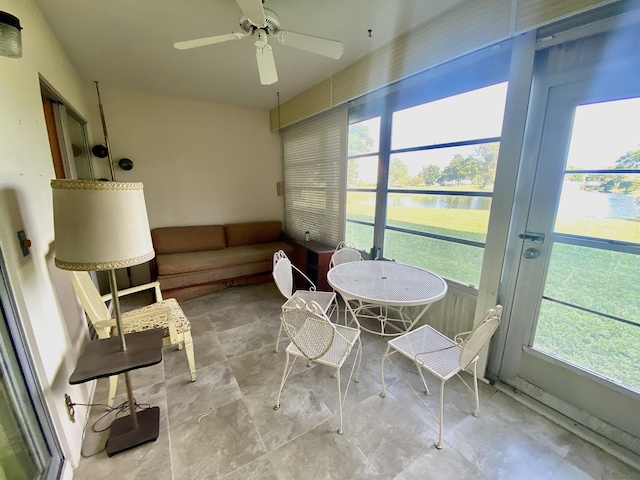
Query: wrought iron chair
444,358
283,276
345,252
165,314
315,338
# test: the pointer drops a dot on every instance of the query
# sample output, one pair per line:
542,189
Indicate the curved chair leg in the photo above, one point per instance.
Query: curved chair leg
383,393
113,385
359,360
340,431
284,379
188,348
475,389
441,421
278,341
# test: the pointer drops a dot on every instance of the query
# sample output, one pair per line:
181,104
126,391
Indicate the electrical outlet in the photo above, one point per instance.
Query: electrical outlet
71,413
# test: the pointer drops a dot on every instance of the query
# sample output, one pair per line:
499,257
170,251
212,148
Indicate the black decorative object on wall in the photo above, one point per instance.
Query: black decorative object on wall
125,164
100,151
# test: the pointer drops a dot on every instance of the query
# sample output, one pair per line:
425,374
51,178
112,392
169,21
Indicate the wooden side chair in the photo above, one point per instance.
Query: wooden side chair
165,314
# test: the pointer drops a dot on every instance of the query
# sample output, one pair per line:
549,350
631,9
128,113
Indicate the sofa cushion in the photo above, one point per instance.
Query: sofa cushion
239,234
176,263
167,240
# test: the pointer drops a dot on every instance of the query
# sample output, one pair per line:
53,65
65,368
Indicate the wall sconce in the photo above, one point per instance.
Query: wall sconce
10,36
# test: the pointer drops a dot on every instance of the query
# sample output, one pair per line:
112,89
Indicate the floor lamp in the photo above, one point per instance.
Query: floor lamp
104,226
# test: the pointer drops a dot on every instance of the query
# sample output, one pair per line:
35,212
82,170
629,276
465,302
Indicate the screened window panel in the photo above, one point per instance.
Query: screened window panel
312,169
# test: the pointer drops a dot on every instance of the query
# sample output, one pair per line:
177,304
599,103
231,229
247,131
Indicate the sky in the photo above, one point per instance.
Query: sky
602,132
468,116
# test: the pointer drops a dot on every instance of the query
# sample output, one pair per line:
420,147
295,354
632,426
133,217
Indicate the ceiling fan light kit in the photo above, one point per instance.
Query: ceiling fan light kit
262,23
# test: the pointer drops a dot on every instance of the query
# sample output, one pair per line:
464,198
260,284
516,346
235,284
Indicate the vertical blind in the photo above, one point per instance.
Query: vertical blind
312,163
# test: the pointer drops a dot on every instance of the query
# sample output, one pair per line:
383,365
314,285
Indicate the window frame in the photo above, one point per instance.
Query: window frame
489,67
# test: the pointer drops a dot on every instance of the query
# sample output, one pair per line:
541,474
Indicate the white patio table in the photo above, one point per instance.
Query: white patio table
383,290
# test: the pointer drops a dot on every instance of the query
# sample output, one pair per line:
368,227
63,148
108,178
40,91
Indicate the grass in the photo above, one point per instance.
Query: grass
592,278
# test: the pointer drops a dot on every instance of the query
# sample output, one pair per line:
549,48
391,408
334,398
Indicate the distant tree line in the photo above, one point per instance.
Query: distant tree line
613,183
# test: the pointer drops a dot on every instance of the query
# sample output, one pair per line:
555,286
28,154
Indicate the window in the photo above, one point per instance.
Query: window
420,178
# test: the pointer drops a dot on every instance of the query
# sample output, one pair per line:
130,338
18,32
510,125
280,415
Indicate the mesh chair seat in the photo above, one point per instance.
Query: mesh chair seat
338,351
433,351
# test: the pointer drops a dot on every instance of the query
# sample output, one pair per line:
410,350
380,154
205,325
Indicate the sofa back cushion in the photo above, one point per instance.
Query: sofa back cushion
188,239
239,234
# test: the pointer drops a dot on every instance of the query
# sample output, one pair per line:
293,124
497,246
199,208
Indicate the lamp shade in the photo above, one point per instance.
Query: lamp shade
100,225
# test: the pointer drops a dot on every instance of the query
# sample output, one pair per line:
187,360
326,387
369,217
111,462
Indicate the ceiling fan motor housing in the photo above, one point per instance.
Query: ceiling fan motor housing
272,27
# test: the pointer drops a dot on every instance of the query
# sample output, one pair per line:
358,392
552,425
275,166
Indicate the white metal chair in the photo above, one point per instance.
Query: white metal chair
443,357
283,277
346,252
315,338
165,314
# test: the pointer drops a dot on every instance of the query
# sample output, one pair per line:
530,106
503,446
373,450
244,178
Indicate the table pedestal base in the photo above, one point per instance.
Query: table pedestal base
123,436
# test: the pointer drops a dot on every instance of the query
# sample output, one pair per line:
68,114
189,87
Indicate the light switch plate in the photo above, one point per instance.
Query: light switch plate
24,243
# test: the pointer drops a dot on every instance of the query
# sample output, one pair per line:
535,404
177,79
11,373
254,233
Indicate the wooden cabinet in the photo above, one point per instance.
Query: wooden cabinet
313,259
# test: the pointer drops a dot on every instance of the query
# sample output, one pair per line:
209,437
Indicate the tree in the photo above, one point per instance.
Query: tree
612,183
486,156
398,173
576,177
460,169
430,174
630,160
359,142
359,139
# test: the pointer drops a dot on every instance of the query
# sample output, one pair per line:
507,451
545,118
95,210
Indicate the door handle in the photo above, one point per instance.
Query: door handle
531,253
534,237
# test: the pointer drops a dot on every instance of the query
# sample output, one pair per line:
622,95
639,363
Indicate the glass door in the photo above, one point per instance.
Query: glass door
577,297
28,448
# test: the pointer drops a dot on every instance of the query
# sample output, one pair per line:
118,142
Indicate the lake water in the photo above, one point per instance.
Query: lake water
574,202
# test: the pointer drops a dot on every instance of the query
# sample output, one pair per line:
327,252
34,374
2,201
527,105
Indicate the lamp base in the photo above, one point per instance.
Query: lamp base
123,436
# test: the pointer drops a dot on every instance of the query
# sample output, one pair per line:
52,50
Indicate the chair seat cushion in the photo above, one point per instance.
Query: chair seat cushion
156,318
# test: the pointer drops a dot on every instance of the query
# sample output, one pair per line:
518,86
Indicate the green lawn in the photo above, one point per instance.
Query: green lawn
600,280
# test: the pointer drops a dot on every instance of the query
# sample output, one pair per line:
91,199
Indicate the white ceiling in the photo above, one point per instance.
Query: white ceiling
129,43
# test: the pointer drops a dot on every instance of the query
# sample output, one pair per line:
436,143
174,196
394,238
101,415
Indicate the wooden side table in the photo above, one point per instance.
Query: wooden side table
104,358
313,259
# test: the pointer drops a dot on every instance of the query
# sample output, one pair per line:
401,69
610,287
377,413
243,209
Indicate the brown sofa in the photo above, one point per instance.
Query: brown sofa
193,261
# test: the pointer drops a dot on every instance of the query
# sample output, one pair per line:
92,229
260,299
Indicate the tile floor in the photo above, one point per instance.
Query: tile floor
242,437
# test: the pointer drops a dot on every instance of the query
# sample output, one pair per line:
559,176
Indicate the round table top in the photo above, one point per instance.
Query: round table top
387,283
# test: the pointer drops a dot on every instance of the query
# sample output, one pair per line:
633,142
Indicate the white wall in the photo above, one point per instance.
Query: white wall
201,163
46,305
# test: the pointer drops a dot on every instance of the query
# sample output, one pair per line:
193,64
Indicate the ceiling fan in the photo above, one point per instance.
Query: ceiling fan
262,23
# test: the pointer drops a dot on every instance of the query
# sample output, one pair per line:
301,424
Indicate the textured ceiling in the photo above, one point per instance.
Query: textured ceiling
129,43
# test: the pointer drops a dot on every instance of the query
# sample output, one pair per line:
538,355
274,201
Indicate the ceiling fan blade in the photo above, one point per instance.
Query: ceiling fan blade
253,10
201,42
319,46
266,64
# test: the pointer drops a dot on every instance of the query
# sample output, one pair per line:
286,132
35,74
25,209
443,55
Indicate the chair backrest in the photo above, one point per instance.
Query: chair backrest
90,299
345,252
308,328
283,273
480,336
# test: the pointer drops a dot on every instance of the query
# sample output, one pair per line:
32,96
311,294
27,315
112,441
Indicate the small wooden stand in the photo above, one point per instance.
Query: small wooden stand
104,358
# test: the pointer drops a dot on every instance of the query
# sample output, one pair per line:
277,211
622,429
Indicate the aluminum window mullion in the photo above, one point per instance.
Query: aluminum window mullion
383,182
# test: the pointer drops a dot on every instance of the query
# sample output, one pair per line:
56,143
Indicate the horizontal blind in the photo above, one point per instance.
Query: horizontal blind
312,151
463,29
